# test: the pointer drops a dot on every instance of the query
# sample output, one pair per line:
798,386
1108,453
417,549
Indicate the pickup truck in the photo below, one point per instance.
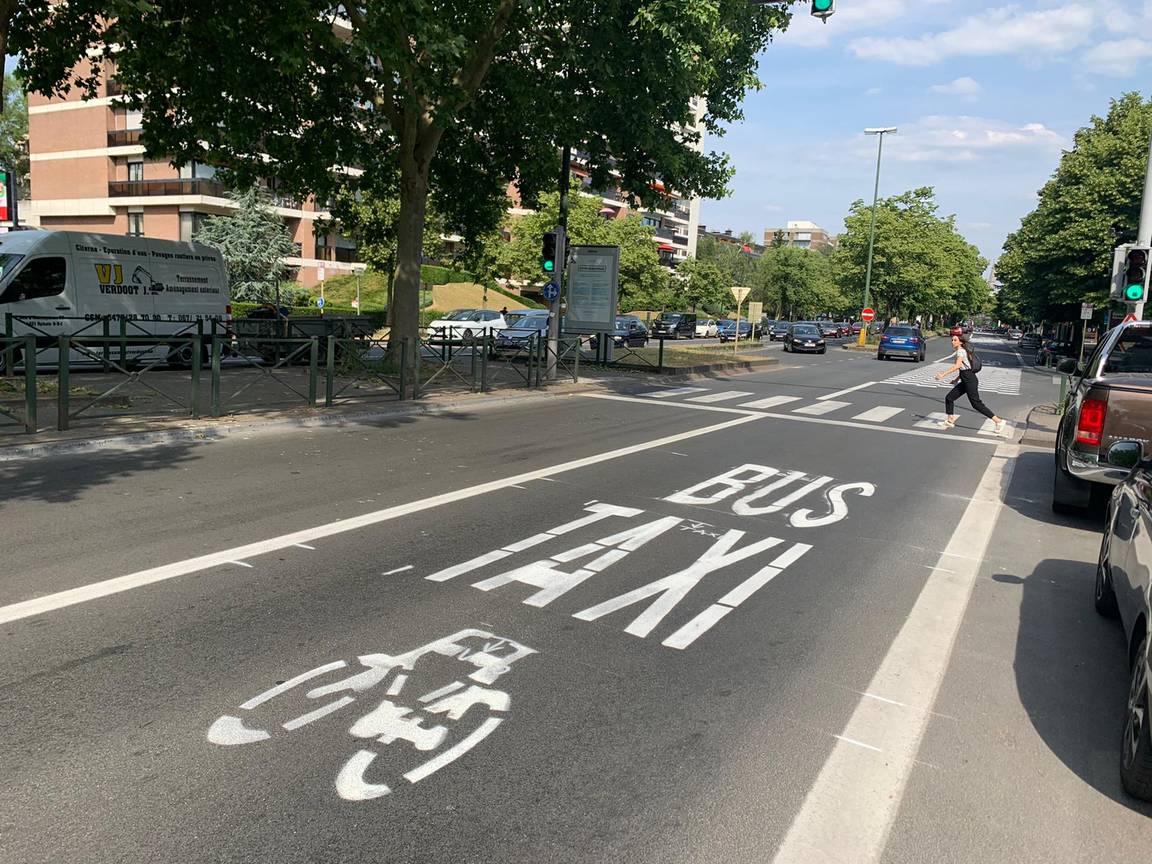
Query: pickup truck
1110,404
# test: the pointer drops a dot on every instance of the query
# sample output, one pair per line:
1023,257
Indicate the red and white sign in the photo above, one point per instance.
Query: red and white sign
868,314
1131,316
4,196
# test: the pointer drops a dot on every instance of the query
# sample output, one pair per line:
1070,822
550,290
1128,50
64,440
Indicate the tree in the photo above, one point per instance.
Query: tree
1062,253
14,133
703,284
793,282
458,97
921,265
729,257
643,282
253,242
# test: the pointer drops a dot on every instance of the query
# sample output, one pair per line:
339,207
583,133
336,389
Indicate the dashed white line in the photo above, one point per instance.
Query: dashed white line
304,546
241,564
878,414
821,408
847,390
858,743
668,394
770,402
723,396
397,570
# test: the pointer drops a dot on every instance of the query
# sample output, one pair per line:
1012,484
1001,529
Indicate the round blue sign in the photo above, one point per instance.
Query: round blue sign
551,291
320,302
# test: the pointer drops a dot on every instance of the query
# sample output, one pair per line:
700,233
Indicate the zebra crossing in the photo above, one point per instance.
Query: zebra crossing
877,415
994,379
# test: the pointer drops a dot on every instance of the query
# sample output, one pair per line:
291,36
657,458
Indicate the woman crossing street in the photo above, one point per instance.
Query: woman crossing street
966,384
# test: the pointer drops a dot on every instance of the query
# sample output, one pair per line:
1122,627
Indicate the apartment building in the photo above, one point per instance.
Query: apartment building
802,234
89,173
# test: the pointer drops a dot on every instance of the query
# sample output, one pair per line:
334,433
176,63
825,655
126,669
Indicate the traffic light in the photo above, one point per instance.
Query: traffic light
550,254
1136,274
823,9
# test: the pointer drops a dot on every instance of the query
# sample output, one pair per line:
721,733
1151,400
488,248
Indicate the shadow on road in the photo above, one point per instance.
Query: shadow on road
1031,494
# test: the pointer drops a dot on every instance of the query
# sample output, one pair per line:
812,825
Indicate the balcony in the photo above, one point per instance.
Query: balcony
665,233
123,137
148,188
680,239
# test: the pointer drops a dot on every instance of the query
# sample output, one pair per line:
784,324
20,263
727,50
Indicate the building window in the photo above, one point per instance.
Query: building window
135,224
190,225
135,171
133,118
195,170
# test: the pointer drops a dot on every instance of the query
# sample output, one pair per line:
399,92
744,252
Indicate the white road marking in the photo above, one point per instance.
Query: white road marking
323,711
770,402
453,753
850,808
677,391
397,570
305,546
847,390
878,414
935,420
241,564
989,428
858,743
821,408
1055,379
106,587
723,396
397,685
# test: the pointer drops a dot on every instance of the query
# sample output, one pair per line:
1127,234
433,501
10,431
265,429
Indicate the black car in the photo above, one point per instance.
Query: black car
779,330
728,330
675,325
630,331
805,336
1053,351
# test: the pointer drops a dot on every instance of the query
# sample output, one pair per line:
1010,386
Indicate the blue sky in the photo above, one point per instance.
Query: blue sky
985,95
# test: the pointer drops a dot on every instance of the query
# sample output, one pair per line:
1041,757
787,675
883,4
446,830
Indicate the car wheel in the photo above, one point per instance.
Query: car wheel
879,356
823,351
1069,494
1136,748
1105,595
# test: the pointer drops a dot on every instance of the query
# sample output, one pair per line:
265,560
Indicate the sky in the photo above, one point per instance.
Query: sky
985,95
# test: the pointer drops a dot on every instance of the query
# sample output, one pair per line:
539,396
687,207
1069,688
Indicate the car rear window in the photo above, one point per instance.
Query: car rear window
1131,353
901,331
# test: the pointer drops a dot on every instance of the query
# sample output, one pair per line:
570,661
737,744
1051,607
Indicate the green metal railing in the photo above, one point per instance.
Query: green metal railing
14,350
364,361
290,351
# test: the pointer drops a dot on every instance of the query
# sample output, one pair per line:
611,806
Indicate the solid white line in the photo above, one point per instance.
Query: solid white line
850,808
770,402
85,593
822,421
305,546
878,414
821,408
397,570
858,743
847,390
723,396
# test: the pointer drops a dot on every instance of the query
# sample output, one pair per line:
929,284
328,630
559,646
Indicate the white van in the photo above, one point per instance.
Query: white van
60,283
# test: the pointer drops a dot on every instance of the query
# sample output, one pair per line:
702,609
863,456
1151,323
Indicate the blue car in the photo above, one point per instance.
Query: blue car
901,341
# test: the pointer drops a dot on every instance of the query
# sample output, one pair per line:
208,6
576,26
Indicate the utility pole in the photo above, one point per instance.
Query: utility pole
880,132
1144,232
561,267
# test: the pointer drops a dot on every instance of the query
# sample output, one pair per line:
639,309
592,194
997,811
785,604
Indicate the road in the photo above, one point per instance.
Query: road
781,616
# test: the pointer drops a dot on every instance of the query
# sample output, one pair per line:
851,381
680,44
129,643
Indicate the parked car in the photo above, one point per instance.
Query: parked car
630,331
805,336
675,325
901,341
1015,334
707,328
1053,351
465,325
523,327
1111,401
829,330
857,326
728,330
778,331
1121,591
844,328
1029,341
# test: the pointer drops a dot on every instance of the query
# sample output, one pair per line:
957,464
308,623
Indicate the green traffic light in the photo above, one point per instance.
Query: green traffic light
1134,292
549,266
821,5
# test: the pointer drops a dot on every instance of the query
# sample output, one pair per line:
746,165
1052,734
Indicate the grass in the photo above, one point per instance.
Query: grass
12,390
689,355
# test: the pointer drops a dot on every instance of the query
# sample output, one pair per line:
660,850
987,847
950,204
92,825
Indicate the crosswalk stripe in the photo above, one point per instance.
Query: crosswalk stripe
821,408
677,391
878,414
935,420
989,428
723,396
770,402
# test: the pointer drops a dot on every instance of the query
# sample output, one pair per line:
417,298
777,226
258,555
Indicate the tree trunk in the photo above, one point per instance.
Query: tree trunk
409,249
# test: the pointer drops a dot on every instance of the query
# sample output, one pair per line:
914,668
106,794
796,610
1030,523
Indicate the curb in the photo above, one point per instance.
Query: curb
223,429
1035,435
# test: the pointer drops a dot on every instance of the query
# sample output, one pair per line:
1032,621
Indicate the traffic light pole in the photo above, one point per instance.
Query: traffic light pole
561,268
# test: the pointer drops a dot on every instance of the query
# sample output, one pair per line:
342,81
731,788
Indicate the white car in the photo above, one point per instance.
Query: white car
707,327
464,325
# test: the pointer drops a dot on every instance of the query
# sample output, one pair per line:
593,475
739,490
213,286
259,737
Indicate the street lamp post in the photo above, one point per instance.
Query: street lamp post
880,133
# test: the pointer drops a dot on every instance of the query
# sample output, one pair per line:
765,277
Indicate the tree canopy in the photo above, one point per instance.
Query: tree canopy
1062,252
921,265
796,283
254,243
13,132
457,97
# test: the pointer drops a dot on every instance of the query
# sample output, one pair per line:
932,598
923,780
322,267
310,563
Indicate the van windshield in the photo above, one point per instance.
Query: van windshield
8,264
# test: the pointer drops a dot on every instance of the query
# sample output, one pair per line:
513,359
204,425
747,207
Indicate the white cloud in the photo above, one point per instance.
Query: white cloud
964,87
1119,58
1005,30
963,138
873,91
854,16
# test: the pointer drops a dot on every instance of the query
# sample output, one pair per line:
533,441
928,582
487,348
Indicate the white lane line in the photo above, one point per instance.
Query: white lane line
95,590
821,408
770,402
723,396
668,394
878,414
397,570
822,421
847,390
850,808
305,546
858,743
935,420
240,563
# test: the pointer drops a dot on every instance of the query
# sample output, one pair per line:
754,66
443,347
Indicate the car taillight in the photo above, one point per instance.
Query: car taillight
1090,427
914,340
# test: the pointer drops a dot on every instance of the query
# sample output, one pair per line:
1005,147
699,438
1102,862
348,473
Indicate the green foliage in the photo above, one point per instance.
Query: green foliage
13,132
796,283
1062,252
643,282
254,243
921,265
737,264
531,304
435,275
703,284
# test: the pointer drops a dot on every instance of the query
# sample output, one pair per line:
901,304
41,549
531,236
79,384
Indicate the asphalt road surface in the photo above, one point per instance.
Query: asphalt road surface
782,616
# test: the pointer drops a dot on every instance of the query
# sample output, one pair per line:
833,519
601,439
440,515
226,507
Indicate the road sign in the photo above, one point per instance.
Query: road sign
355,303
550,291
320,274
755,312
868,314
740,293
1085,311
320,302
1129,317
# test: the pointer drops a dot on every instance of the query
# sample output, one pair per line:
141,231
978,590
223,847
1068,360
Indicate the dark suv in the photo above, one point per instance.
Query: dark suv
675,325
